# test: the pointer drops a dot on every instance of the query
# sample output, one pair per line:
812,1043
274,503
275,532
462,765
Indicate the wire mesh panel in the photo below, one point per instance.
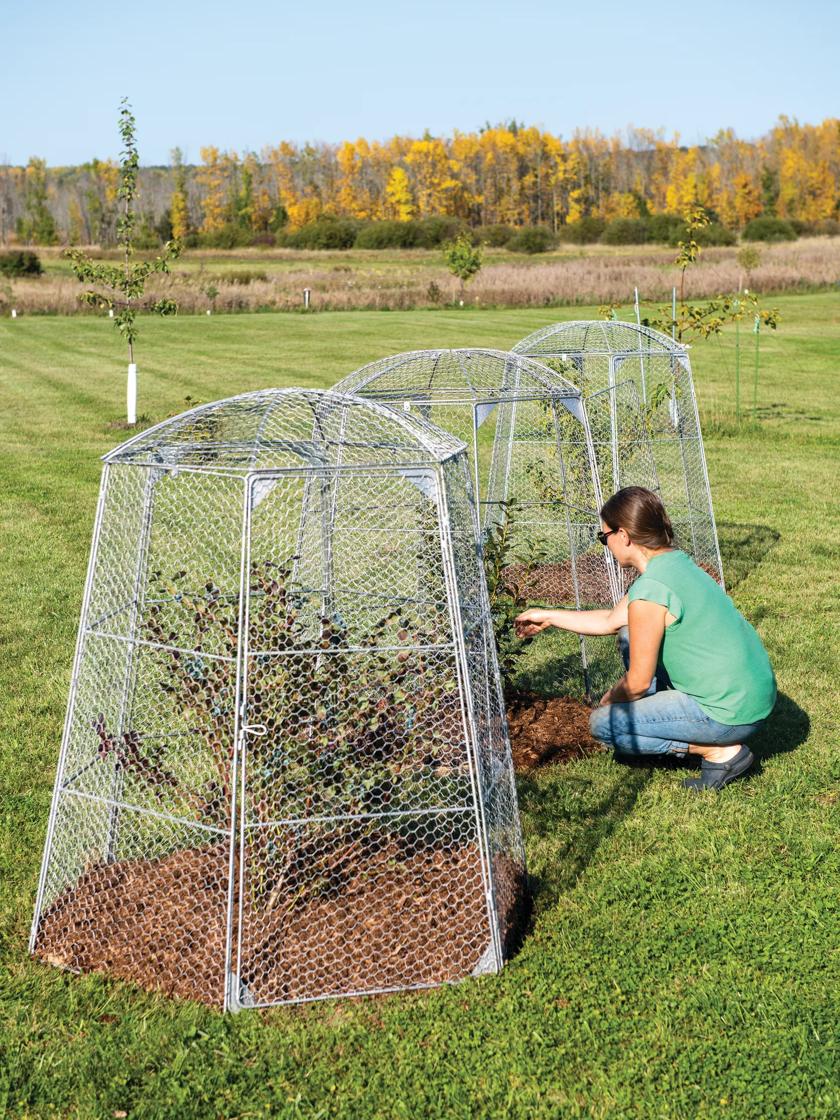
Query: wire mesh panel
599,356
272,785
533,465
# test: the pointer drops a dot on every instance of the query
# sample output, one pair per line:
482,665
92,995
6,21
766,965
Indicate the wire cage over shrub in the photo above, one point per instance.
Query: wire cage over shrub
285,771
534,467
643,379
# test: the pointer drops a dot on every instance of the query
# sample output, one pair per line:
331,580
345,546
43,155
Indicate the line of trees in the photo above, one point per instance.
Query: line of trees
507,174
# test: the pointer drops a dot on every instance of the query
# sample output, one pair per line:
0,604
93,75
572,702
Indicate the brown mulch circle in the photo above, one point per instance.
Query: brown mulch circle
396,919
546,730
553,583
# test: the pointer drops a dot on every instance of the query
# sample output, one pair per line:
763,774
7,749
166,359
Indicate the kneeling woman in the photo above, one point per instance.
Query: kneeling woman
698,679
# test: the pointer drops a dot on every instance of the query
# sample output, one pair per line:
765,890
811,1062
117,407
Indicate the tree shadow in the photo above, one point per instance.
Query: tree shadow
743,548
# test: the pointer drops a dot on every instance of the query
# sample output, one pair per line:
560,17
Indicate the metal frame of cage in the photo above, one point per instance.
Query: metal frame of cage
460,389
87,841
605,355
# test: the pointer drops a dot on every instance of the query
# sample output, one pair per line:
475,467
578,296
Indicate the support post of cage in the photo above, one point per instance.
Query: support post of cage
704,470
675,365
238,762
129,675
468,713
71,702
641,351
587,684
614,427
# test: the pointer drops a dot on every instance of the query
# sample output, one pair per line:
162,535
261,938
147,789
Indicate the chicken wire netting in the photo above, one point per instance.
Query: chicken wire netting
535,474
285,771
636,369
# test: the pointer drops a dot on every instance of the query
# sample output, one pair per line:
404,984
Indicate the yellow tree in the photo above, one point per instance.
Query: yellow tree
399,203
212,181
746,200
434,187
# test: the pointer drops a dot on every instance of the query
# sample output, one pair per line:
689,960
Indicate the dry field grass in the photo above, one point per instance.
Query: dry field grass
398,280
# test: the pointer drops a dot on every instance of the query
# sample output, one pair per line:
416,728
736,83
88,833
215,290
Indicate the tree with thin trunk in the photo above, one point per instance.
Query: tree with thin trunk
120,288
463,259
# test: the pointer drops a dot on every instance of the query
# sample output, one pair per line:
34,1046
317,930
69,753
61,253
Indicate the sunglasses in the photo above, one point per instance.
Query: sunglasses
602,536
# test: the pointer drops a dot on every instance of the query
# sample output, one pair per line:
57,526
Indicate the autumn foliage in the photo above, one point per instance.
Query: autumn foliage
508,175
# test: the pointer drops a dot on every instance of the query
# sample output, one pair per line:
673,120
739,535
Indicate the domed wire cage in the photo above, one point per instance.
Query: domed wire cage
638,380
535,473
285,771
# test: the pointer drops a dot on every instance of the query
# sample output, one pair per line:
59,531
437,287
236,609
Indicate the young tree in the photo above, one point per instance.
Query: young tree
121,287
463,259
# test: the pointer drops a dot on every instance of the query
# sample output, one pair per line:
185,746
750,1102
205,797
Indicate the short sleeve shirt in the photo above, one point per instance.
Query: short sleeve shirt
710,651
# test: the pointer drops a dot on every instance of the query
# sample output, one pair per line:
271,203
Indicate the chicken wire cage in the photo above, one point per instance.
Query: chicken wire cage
534,474
285,772
638,383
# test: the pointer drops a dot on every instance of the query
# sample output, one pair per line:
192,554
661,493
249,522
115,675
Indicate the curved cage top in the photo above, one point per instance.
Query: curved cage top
288,429
609,336
457,375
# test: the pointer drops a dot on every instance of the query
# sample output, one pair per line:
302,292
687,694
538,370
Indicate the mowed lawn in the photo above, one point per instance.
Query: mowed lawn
682,960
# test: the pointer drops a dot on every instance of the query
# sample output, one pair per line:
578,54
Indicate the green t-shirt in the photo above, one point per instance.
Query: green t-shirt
710,652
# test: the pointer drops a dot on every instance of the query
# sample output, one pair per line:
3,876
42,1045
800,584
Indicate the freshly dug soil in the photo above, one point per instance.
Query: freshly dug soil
395,919
553,583
548,730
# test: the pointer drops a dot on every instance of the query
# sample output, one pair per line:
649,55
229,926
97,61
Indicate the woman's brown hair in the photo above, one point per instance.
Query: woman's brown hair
641,514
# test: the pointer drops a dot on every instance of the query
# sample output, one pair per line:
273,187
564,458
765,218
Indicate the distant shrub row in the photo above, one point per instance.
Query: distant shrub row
662,229
429,233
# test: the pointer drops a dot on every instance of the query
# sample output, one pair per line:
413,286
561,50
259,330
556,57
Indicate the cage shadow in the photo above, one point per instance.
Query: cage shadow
743,548
564,828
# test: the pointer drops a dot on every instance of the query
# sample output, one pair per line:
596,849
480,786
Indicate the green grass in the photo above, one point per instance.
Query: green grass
682,961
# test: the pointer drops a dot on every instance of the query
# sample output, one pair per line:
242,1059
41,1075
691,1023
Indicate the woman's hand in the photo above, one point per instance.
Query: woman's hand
531,622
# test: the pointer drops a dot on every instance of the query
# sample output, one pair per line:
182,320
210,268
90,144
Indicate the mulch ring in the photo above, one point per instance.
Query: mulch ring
395,917
545,730
554,583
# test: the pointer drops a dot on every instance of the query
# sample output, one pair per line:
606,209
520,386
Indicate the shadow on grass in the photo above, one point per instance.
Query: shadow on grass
742,548
565,825
786,729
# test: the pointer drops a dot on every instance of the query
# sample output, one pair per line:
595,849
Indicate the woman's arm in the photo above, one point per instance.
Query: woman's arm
610,621
647,628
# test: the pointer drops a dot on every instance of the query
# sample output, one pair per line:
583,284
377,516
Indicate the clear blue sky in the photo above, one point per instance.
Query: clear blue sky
249,74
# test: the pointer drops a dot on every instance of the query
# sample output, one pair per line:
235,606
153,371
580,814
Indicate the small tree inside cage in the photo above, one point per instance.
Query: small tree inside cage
285,772
642,379
535,474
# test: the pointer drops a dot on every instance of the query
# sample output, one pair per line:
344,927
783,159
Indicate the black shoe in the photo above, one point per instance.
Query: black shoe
716,775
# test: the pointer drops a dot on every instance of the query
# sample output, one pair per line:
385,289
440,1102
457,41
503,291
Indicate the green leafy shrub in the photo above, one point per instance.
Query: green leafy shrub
584,232
769,229
230,236
495,236
432,232
387,235
626,231
665,229
714,234
21,262
325,233
532,239
826,227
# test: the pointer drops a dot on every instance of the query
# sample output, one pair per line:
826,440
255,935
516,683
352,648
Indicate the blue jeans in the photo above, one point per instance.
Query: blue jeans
664,721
